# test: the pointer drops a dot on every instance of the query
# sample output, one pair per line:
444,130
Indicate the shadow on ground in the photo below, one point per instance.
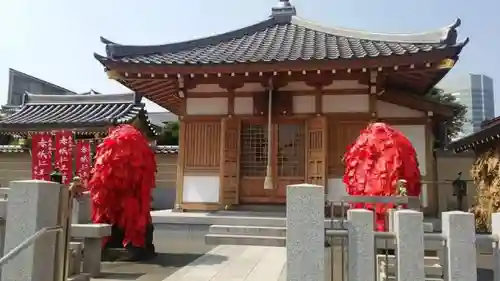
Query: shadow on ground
484,274
120,276
180,260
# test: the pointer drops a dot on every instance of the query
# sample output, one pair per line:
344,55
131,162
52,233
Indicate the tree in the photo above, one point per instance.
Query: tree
169,134
454,125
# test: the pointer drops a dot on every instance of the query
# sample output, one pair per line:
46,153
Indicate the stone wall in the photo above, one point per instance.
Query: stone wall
15,164
449,165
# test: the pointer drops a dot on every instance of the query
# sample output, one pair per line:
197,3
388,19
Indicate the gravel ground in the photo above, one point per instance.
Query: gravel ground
176,245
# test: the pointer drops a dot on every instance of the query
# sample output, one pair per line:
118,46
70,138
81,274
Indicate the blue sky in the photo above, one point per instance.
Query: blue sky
55,39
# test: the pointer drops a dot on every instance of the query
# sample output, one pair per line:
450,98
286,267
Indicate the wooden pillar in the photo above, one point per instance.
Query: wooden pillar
431,175
373,96
229,162
180,165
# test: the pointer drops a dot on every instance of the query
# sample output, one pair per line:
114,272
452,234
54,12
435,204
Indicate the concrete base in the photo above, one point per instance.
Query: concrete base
257,228
247,218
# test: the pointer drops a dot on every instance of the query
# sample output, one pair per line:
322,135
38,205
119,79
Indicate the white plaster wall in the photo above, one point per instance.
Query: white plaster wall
416,134
304,104
345,103
243,105
251,87
296,86
390,110
207,88
201,189
198,106
336,191
345,84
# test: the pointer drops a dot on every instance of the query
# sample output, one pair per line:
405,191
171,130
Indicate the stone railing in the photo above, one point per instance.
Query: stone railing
29,206
405,253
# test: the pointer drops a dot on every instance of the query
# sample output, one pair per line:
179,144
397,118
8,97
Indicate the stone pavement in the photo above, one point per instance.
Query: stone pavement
224,263
176,248
235,263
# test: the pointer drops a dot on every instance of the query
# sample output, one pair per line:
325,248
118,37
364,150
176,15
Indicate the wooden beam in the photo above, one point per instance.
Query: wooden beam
413,101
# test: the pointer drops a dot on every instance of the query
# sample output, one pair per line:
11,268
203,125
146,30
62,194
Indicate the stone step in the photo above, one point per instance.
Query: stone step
79,277
434,271
432,266
228,239
391,259
393,278
272,231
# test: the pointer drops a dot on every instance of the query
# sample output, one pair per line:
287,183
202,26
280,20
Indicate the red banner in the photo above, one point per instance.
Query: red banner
83,159
41,156
64,155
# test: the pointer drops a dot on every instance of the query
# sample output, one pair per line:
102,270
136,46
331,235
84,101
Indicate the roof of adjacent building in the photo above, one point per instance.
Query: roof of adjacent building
489,133
284,37
42,112
14,72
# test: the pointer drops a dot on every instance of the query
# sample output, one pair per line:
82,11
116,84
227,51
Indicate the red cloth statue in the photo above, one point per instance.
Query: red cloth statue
121,182
379,158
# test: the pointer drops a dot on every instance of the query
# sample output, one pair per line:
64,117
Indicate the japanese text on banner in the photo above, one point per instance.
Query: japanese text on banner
83,159
64,159
41,156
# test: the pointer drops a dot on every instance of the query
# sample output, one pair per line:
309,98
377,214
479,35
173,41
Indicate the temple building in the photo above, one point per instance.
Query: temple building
89,114
278,102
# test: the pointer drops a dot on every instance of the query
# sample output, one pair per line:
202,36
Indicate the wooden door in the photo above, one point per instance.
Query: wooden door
290,156
317,151
229,173
287,161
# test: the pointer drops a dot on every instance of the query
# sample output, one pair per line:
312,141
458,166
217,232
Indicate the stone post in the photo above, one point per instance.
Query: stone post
32,205
459,229
81,209
409,229
361,245
305,235
495,229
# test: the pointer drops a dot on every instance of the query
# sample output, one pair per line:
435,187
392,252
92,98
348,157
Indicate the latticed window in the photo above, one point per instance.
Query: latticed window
254,145
291,150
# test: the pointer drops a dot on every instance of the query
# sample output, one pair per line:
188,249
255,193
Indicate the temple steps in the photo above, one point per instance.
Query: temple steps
271,236
387,268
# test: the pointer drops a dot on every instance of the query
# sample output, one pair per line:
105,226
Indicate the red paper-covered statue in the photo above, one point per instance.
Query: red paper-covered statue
380,157
120,187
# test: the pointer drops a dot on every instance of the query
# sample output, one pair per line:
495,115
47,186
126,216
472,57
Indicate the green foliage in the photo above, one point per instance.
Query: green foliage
454,125
169,134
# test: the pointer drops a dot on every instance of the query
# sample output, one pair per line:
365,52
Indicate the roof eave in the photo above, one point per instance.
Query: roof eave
287,65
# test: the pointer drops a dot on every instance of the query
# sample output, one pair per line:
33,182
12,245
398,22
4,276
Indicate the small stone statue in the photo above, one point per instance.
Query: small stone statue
402,191
76,187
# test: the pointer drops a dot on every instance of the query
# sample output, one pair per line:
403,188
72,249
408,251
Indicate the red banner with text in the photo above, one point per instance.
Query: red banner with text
64,154
41,156
83,159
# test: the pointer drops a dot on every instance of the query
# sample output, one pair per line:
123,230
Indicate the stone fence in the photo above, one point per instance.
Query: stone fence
306,235
64,244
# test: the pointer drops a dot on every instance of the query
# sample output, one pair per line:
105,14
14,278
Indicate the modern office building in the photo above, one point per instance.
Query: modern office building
476,92
20,83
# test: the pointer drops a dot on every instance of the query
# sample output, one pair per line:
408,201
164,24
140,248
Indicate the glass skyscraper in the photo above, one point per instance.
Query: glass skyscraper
476,92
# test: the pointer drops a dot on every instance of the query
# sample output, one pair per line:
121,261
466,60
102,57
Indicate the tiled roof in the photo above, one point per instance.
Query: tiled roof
488,135
167,149
9,109
12,148
284,37
40,112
